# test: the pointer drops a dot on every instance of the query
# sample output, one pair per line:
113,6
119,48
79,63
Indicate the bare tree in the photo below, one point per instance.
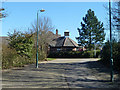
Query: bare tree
115,11
45,35
116,17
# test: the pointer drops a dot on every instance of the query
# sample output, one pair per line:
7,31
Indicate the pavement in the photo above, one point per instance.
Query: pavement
61,73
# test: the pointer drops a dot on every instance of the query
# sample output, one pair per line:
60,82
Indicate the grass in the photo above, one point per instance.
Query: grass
50,59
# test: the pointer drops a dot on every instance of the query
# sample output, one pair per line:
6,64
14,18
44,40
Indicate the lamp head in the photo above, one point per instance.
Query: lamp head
2,9
42,10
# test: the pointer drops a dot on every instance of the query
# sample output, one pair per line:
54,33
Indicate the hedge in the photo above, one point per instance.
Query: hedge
74,54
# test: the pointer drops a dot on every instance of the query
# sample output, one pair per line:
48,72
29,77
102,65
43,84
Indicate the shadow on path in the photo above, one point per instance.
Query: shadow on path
60,75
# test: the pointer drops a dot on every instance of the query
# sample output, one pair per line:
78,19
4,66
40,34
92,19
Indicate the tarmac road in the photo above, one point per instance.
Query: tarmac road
60,73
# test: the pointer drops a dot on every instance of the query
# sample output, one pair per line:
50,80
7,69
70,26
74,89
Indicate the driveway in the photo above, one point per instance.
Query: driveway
60,73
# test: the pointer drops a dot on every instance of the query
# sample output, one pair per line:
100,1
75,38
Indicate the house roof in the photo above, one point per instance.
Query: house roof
63,42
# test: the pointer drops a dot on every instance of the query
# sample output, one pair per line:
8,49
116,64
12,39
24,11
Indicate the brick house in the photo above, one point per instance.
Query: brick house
63,43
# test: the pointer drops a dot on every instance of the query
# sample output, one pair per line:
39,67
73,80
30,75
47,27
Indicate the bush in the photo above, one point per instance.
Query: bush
21,42
73,54
8,55
21,50
10,58
105,57
98,53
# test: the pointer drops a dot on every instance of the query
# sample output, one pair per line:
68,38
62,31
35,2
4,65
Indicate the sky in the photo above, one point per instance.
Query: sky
63,15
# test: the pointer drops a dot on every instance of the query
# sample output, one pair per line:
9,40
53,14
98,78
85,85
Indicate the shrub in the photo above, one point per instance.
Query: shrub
20,50
98,53
73,54
8,55
90,54
105,55
21,42
10,58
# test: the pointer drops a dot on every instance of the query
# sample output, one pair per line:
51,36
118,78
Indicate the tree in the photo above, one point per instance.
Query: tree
92,31
116,17
21,42
115,20
44,36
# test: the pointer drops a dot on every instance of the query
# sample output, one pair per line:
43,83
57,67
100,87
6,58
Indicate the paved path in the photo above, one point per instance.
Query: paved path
60,73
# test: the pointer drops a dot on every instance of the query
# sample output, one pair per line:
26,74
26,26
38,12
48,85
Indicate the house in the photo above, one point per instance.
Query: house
63,43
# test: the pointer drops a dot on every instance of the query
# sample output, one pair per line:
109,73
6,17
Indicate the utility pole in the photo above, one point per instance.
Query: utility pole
111,55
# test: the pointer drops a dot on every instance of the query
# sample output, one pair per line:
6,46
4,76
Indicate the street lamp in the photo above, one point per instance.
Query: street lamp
111,56
1,9
42,10
95,49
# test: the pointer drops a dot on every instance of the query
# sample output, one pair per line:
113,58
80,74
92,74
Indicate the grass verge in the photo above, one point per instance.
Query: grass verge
50,59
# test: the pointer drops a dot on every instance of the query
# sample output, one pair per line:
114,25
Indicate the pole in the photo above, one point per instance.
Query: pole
118,21
42,10
37,44
111,56
94,49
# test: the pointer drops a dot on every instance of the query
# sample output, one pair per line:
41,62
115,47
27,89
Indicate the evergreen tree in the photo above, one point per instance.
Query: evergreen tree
21,42
92,31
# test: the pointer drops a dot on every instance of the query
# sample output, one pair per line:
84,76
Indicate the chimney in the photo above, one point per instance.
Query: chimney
66,33
56,32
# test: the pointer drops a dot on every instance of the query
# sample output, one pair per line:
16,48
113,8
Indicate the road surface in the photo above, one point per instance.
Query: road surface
60,73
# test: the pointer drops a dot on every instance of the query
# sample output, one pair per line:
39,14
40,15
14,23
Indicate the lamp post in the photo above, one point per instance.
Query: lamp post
95,49
42,10
111,56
